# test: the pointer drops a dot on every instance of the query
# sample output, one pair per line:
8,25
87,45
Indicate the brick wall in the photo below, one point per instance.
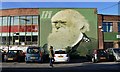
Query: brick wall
106,18
111,18
19,11
100,34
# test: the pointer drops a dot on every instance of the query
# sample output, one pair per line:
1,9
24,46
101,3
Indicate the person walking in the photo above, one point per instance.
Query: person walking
51,56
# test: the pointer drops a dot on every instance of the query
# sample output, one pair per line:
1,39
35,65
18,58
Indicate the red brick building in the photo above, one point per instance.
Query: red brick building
109,31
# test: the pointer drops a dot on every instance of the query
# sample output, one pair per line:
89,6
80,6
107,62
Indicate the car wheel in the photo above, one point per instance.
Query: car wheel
68,60
115,59
93,60
27,61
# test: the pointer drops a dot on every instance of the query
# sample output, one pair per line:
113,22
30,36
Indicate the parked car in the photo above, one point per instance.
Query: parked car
100,55
15,55
34,54
1,55
61,56
114,54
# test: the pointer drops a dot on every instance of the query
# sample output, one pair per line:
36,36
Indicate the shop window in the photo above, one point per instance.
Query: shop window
22,38
4,40
108,45
28,38
34,39
16,40
107,26
9,40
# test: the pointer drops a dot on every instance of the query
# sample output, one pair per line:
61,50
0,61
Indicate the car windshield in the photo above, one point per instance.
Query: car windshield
60,52
33,50
12,52
116,50
101,52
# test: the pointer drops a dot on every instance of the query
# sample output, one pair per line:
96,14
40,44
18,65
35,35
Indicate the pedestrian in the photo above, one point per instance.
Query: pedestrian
5,56
51,56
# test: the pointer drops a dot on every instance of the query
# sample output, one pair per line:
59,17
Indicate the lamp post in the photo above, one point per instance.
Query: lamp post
9,32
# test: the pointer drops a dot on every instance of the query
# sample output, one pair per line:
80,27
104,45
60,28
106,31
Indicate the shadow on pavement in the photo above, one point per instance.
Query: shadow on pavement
94,67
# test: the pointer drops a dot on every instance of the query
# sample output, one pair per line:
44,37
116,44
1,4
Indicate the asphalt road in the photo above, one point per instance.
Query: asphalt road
61,67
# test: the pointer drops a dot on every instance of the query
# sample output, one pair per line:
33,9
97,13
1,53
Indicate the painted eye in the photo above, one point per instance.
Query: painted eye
55,22
63,22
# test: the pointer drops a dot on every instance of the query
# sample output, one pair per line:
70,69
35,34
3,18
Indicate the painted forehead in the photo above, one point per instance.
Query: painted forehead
66,14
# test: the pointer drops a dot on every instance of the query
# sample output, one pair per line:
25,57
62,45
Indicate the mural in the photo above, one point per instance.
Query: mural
75,29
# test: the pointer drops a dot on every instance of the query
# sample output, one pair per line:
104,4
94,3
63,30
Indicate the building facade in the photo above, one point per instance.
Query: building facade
19,26
109,31
31,26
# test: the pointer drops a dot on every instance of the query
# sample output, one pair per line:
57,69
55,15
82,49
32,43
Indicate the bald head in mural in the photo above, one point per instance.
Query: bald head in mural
68,28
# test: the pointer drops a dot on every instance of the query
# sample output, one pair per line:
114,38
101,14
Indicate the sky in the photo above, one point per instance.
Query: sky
110,8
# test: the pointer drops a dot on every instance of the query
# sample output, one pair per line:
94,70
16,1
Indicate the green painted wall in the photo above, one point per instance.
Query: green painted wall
88,13
110,36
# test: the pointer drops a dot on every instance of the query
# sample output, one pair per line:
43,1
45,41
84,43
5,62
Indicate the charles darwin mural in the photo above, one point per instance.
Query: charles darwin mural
73,29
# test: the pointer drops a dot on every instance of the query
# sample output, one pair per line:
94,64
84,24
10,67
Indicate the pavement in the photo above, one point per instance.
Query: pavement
61,67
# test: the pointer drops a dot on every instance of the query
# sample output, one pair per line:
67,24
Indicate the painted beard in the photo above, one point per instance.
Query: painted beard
64,37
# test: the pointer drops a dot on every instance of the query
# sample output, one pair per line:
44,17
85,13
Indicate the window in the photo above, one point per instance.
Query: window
35,19
8,19
0,21
22,38
118,26
4,40
23,20
25,25
4,21
9,40
12,21
33,50
16,20
60,52
29,19
107,26
34,39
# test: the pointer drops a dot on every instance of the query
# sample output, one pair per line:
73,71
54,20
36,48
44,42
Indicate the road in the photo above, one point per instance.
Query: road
61,67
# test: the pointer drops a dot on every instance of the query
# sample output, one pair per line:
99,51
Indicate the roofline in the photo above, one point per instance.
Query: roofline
108,15
48,8
18,8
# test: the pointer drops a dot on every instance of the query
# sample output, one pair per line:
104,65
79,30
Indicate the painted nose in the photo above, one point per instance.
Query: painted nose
58,25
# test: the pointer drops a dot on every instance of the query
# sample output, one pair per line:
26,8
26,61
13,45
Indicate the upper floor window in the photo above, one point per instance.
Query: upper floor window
118,26
0,21
10,20
35,19
4,21
16,20
107,26
23,20
29,19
